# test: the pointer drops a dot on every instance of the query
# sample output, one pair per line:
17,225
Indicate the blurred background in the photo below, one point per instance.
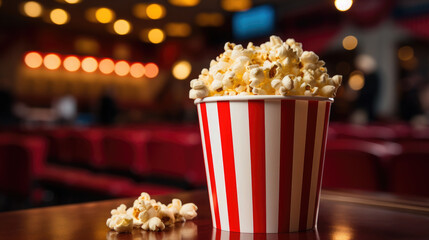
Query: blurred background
94,94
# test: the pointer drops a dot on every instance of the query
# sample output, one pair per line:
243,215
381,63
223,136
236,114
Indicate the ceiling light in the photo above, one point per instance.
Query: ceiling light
343,5
59,16
32,9
104,15
122,27
52,61
33,60
152,70
155,11
156,35
181,70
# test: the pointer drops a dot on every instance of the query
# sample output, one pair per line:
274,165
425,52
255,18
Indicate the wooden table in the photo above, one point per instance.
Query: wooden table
342,217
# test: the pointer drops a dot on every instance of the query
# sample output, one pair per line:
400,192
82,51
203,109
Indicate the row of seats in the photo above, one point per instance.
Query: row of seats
88,160
378,158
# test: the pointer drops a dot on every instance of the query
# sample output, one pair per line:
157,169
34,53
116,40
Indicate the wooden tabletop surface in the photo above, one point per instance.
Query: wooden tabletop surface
343,216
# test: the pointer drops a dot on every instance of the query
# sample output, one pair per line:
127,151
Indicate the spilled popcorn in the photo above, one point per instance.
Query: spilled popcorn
148,214
273,68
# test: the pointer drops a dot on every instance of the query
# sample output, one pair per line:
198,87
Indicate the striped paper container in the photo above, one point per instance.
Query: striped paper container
264,159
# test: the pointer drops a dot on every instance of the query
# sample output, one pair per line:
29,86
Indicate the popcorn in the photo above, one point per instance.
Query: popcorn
273,68
149,214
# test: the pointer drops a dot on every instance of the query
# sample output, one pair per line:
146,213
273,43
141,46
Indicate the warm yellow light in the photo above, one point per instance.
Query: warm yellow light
356,80
106,66
0,3
178,29
137,70
350,42
59,16
139,10
52,61
72,1
33,59
32,9
155,11
405,53
104,15
181,70
152,70
89,64
71,63
156,35
236,5
122,68
343,5
122,27
184,3
209,19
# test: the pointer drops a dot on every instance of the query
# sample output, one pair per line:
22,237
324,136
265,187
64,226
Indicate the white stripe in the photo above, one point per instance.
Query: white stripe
272,163
243,169
206,164
300,131
213,122
316,161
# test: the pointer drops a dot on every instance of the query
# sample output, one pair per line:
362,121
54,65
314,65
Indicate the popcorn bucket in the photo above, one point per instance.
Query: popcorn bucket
264,160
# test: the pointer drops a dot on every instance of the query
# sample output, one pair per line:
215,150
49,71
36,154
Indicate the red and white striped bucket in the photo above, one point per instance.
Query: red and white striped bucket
264,160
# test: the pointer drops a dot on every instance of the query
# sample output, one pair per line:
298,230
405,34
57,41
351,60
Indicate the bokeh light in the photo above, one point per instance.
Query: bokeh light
122,27
104,15
343,5
181,70
405,53
236,5
32,9
72,1
122,68
350,42
59,16
137,70
52,61
106,66
356,80
89,64
33,60
152,70
184,3
71,63
156,35
177,29
155,11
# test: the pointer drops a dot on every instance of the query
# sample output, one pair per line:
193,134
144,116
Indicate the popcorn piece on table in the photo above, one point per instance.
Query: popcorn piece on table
150,215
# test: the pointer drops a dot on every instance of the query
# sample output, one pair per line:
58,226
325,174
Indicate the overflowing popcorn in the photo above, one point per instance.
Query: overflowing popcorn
274,68
148,214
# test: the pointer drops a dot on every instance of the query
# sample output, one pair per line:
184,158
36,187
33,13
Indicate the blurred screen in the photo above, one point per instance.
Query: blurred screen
256,22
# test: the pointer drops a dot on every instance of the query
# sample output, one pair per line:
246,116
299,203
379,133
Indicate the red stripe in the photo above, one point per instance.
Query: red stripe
286,160
322,160
228,165
210,162
308,162
257,155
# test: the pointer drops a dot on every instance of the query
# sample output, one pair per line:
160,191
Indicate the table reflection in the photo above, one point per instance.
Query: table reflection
223,235
187,230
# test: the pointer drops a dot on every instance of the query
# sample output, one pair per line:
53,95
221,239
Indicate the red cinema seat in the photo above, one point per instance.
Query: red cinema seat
87,147
366,132
126,150
22,159
409,169
355,164
177,154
